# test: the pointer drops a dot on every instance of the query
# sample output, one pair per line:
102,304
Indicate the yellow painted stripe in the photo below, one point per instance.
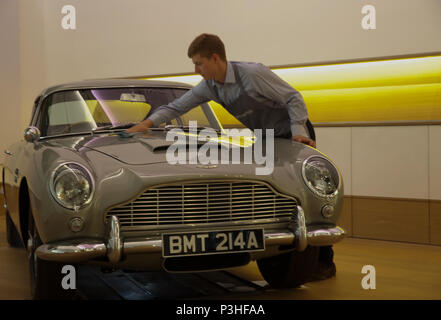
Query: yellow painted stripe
393,103
388,90
364,74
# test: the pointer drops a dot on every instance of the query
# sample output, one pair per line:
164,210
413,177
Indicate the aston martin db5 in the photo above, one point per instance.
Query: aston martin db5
80,190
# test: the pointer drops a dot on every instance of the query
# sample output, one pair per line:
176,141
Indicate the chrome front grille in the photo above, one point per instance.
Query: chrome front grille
205,202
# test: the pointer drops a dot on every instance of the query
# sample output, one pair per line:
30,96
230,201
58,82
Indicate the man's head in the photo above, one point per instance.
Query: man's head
206,45
207,52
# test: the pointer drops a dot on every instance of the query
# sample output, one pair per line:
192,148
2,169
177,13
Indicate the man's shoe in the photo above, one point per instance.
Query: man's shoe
323,271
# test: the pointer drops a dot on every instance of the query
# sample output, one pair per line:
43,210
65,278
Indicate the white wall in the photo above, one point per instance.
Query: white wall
10,113
395,162
147,37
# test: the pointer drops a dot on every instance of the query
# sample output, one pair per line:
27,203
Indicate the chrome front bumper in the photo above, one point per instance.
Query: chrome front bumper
84,250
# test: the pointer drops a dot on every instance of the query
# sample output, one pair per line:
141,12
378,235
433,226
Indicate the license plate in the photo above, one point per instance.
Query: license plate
214,242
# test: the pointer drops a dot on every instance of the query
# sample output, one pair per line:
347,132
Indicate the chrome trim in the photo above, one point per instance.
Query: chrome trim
114,243
142,212
148,84
80,251
83,250
32,134
210,225
325,237
300,233
329,196
279,238
147,245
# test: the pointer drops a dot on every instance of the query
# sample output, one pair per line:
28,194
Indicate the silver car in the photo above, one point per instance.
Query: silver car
79,190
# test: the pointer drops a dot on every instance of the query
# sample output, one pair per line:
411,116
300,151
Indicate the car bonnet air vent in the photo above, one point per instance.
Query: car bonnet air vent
160,145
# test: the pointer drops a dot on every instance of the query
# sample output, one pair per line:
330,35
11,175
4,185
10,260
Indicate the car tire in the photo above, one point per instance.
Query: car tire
46,276
289,270
12,235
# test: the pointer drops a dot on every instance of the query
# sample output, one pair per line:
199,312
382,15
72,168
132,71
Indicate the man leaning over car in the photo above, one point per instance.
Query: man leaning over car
255,95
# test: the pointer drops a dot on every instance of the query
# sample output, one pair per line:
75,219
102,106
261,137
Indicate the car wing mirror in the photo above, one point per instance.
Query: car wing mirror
32,134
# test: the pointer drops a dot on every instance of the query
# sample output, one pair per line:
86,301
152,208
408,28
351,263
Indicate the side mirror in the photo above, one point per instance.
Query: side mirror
32,134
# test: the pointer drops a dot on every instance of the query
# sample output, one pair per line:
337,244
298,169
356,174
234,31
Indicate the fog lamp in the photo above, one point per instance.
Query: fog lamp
328,211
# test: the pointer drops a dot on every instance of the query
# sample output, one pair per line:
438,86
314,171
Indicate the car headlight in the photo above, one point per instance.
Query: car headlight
72,185
320,176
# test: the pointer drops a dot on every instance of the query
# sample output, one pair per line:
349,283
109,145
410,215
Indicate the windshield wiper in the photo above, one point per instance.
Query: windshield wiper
112,127
187,128
166,128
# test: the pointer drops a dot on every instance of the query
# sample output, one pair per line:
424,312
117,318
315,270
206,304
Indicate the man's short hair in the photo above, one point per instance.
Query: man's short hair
205,45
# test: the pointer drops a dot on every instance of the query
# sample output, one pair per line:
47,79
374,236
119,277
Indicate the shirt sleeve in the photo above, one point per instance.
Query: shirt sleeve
266,83
191,99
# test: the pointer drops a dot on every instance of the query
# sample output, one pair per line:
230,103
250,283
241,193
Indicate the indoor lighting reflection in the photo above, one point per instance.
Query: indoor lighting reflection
394,90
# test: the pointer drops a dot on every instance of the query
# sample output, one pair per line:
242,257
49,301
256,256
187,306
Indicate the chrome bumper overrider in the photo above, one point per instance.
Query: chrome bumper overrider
84,249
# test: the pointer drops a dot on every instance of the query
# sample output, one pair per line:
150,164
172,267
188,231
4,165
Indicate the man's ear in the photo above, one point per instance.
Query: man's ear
216,57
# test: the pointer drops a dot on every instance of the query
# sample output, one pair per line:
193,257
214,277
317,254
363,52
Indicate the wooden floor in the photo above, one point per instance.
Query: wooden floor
403,271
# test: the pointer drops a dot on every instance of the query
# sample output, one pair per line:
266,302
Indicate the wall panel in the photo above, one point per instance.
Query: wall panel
435,162
391,219
390,162
435,221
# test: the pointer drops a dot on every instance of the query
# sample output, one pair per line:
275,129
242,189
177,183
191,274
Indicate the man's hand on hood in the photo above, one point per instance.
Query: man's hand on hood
304,140
141,127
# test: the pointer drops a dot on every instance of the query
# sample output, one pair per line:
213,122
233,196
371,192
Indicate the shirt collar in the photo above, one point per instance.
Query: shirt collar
229,76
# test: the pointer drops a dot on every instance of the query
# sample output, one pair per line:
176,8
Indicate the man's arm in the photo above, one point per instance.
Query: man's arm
271,86
181,105
298,128
141,127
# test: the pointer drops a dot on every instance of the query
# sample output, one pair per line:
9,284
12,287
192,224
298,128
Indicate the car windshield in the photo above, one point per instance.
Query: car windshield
77,111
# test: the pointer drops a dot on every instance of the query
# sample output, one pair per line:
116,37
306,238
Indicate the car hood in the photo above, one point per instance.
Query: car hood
137,150
141,149
151,147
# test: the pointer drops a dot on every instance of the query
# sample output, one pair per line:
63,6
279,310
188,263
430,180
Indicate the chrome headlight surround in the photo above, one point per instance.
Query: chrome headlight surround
72,185
326,173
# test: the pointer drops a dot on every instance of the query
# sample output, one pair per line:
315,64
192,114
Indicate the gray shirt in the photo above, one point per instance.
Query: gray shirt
258,81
